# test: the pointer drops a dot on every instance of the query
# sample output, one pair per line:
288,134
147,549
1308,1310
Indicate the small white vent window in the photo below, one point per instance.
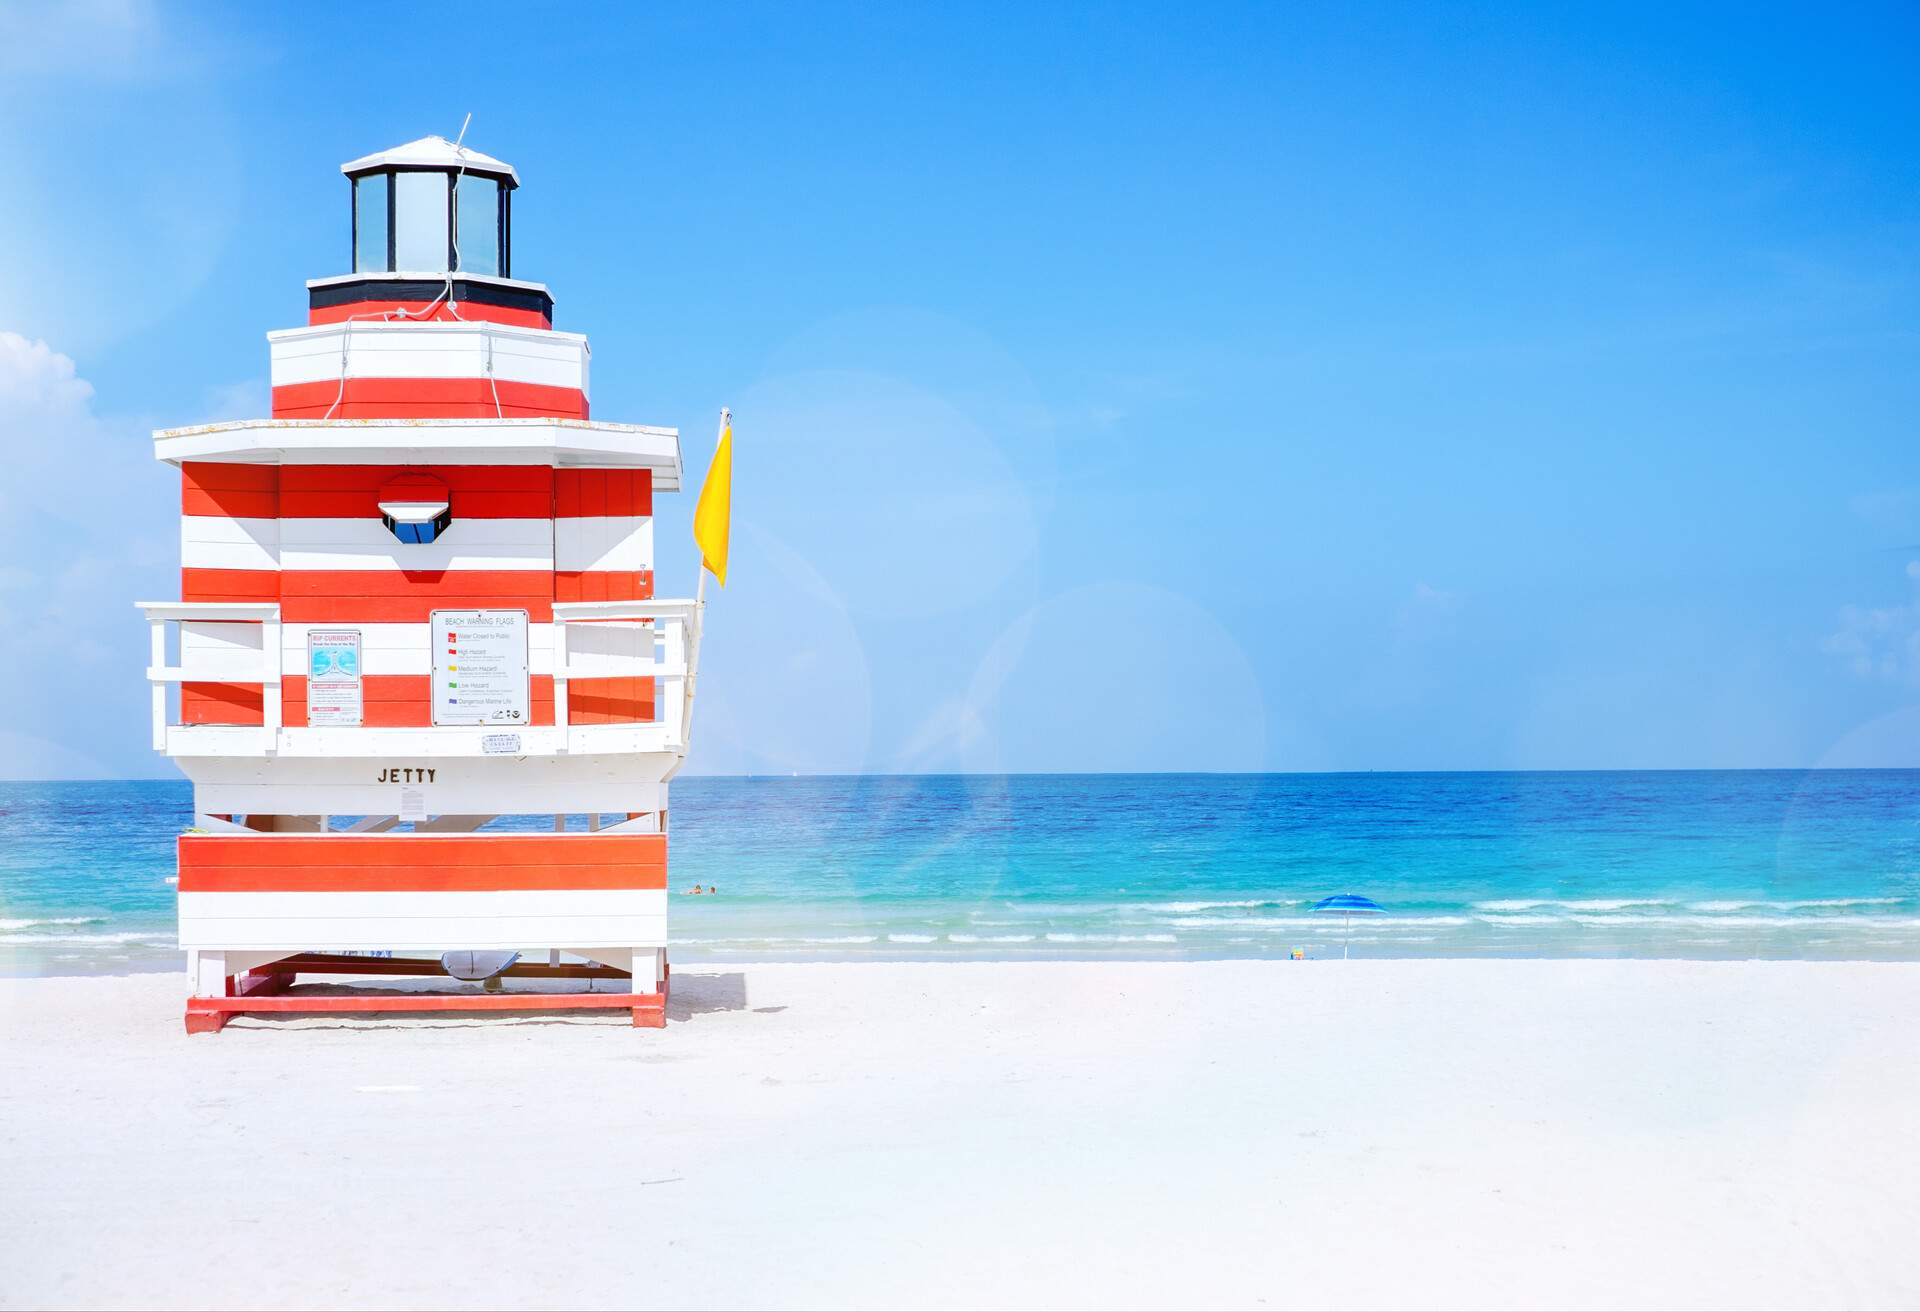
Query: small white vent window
416,507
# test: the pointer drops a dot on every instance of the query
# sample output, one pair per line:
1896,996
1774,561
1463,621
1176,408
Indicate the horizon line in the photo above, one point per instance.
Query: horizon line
1164,774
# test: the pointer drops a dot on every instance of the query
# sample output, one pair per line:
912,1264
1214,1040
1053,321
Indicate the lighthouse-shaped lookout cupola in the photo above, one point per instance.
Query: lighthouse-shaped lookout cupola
418,675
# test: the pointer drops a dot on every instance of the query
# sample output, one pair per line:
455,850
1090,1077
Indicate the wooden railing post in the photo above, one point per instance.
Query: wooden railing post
562,733
222,669
270,710
158,660
673,632
667,658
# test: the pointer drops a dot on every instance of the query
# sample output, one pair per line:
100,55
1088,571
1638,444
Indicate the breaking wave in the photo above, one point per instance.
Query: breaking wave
1574,904
1111,938
165,936
9,925
1188,908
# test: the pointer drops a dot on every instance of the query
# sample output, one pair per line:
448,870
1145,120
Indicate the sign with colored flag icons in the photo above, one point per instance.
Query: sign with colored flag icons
480,667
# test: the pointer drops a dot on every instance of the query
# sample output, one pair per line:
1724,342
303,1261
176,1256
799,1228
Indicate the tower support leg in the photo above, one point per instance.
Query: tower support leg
650,981
227,975
206,978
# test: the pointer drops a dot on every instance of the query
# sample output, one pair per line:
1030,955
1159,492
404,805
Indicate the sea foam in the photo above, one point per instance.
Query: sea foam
131,936
1801,904
1111,938
9,925
1572,904
1187,908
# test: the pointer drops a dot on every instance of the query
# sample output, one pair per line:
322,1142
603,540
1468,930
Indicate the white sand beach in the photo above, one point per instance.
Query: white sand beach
1235,1134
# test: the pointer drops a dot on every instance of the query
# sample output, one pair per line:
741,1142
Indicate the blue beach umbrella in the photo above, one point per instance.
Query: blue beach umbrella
1349,905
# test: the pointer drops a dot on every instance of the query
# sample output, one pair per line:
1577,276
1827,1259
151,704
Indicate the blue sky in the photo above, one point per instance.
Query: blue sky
1178,387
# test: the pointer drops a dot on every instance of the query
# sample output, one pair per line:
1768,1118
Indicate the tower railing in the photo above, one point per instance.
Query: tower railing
667,634
241,645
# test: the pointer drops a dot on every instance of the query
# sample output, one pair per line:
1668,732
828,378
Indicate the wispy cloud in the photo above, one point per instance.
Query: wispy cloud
110,41
1881,642
66,38
243,400
86,523
123,162
38,382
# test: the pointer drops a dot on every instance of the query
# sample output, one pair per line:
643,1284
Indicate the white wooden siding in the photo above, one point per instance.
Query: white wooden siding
443,921
429,350
225,542
603,542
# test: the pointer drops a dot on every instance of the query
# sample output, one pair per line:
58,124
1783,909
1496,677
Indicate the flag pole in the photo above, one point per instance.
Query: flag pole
700,604
700,588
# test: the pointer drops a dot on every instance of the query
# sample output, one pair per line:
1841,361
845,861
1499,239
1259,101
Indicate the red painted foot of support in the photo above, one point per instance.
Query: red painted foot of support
205,1020
651,1013
210,1015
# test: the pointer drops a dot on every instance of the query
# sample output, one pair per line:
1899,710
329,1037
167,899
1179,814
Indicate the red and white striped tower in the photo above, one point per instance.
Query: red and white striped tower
416,604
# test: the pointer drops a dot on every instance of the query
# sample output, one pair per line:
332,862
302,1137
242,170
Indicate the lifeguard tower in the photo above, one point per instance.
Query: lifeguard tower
418,675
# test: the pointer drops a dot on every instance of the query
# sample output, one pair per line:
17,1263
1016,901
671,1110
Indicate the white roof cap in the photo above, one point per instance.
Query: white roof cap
431,153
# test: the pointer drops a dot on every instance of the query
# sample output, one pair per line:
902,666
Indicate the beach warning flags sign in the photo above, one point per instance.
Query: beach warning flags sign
712,516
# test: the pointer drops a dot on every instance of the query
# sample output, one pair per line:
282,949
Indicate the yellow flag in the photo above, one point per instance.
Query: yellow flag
713,515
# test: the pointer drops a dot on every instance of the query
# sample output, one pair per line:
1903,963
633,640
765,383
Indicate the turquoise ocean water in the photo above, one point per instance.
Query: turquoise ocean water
1657,864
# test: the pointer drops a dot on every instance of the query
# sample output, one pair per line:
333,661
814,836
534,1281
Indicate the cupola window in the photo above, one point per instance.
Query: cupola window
479,213
432,207
420,209
372,202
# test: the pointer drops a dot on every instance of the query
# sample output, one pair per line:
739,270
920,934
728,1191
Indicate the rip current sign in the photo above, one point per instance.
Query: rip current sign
333,679
480,667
